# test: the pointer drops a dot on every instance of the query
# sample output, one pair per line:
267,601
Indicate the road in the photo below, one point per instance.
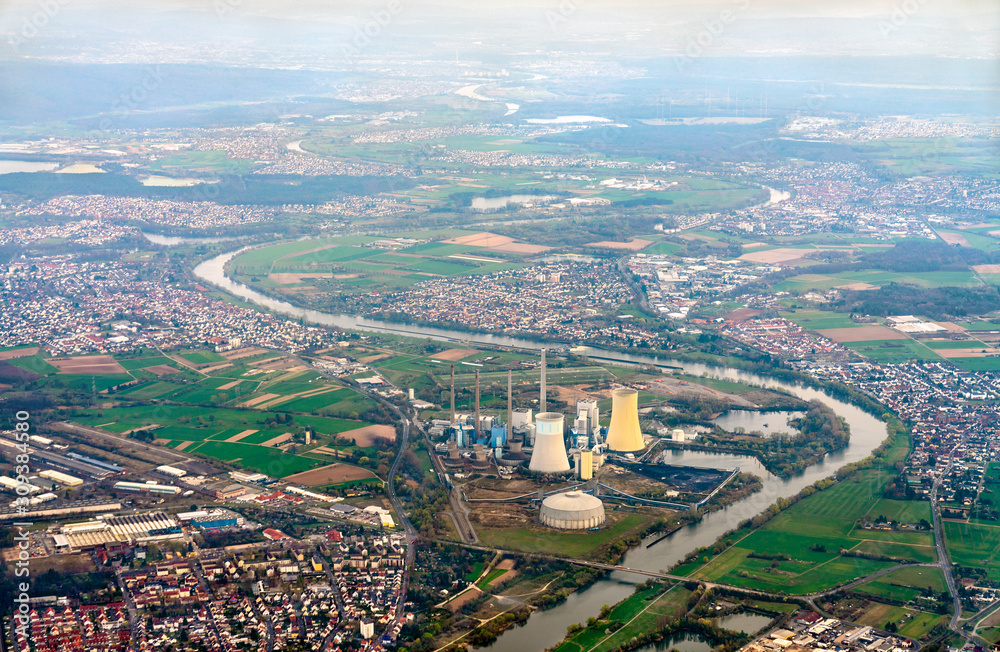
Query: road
944,561
133,612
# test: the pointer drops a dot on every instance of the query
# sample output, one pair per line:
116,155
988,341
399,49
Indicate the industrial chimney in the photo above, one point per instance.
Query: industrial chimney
510,404
476,424
453,395
541,402
549,455
624,435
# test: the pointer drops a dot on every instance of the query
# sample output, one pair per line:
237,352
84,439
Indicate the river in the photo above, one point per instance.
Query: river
546,628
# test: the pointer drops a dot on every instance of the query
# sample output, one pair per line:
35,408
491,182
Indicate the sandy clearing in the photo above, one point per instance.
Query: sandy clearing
18,353
366,436
979,352
575,392
857,286
239,436
520,248
277,441
954,238
454,354
285,398
481,239
287,278
783,254
91,364
214,368
862,334
245,352
741,315
980,225
331,474
152,426
632,245
987,269
259,399
470,594
478,259
162,370
307,251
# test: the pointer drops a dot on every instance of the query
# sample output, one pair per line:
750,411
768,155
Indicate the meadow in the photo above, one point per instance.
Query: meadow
798,551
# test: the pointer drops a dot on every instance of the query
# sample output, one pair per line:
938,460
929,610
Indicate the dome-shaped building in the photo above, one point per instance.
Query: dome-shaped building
572,510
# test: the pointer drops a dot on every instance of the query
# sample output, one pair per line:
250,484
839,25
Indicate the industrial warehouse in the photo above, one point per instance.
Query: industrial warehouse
88,535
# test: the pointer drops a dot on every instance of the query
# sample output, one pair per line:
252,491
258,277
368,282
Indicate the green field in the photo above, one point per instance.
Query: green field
346,264
565,544
819,319
905,584
975,546
202,357
893,351
902,511
810,282
977,364
212,426
810,534
141,363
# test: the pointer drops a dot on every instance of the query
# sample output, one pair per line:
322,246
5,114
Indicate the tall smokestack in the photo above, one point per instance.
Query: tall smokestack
476,425
510,403
541,402
452,394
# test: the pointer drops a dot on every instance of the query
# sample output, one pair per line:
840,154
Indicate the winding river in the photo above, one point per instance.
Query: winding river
546,628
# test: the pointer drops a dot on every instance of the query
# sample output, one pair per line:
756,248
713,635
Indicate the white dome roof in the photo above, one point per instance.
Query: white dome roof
572,510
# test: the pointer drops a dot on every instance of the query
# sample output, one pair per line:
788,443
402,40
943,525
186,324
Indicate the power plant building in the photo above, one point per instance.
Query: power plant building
520,418
624,435
572,510
549,455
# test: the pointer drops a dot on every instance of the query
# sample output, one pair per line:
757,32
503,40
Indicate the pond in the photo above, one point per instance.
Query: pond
766,423
494,203
682,642
746,622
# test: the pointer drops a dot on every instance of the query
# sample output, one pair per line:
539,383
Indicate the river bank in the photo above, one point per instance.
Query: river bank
546,628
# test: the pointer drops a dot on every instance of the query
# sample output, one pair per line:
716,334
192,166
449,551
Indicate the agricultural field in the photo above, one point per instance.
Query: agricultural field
271,444
798,551
358,264
974,546
867,279
894,351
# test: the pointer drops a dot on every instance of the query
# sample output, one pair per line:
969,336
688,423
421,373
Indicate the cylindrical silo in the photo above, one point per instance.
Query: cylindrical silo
624,435
549,455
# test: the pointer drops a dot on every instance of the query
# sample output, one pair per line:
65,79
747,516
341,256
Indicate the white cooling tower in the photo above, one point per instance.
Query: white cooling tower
624,435
550,454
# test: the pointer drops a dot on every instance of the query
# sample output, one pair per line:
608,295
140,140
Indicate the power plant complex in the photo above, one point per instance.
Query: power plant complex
544,444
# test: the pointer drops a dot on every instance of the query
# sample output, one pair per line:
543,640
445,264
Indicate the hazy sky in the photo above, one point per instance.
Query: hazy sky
169,29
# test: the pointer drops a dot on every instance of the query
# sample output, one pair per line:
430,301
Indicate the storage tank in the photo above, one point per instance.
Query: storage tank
549,455
624,435
572,511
